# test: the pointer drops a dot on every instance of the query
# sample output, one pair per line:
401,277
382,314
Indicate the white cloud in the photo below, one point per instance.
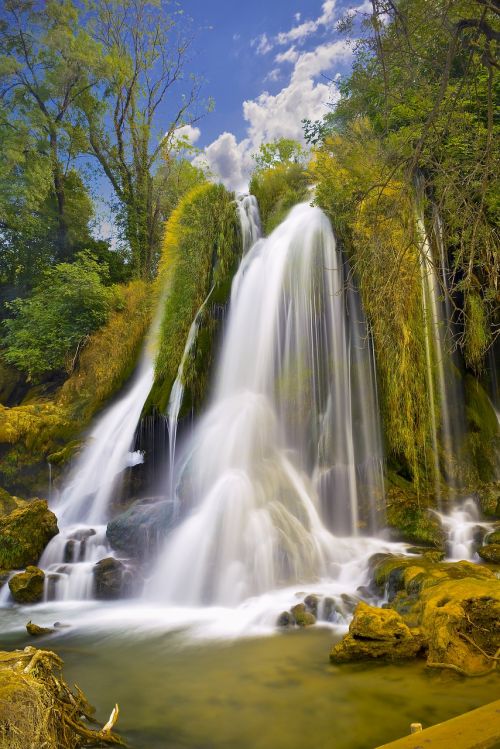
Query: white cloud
297,17
279,115
262,44
273,75
192,134
290,55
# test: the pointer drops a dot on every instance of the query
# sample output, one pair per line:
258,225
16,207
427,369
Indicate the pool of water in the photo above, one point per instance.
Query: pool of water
177,691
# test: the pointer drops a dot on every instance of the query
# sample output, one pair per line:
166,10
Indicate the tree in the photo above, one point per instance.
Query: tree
49,328
45,58
280,151
146,55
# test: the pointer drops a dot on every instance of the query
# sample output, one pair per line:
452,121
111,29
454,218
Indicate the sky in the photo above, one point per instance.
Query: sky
268,64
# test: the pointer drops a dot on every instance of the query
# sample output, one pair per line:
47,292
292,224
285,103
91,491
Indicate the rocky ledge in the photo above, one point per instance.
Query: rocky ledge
447,612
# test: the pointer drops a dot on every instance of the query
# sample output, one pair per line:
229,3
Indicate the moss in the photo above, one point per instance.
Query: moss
10,382
410,515
24,534
277,190
301,616
27,586
490,553
483,434
8,503
201,250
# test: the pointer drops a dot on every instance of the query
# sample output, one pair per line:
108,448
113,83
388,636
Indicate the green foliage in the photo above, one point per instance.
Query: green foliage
50,326
200,253
277,190
280,151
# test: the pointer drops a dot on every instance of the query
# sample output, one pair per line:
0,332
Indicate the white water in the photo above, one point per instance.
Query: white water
177,392
464,530
251,230
94,482
290,444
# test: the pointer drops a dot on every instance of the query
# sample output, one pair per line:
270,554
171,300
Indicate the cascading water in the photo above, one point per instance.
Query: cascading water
290,446
251,230
465,531
83,507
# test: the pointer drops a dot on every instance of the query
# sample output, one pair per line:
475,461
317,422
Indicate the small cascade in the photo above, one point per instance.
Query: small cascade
465,531
289,450
177,392
443,378
251,229
83,506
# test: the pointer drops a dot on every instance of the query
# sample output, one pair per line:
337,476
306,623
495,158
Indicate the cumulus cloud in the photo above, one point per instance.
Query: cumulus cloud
290,55
271,116
273,75
188,132
262,44
299,32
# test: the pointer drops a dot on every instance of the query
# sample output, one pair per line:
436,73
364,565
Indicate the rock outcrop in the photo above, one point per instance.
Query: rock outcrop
24,534
27,586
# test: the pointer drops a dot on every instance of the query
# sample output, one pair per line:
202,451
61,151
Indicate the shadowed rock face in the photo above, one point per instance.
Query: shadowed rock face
112,579
139,530
25,533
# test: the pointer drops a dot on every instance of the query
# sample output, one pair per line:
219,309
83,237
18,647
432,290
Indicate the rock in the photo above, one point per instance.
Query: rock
302,617
8,503
139,530
493,537
112,579
285,619
311,603
376,633
24,534
329,609
490,553
27,586
35,631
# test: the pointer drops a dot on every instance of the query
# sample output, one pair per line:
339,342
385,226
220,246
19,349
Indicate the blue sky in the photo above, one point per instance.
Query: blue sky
267,65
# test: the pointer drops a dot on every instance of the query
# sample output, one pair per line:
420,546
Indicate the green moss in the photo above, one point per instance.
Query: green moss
483,435
202,248
277,190
410,513
27,586
24,533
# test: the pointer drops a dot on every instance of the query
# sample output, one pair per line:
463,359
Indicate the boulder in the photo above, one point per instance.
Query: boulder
112,579
490,553
285,619
139,530
24,534
376,633
27,586
302,617
8,503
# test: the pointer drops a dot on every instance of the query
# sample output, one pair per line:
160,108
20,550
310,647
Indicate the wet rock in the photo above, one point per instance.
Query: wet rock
490,553
27,586
329,609
349,603
112,579
74,551
285,619
376,633
311,603
24,534
302,617
139,530
35,631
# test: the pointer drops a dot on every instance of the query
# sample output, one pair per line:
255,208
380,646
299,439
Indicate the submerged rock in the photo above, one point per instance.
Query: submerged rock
27,586
24,534
140,529
112,579
36,631
376,633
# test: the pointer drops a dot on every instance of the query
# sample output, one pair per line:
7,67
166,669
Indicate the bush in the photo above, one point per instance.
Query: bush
277,190
50,327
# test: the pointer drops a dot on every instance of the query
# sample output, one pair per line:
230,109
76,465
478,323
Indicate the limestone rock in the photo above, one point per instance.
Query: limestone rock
24,534
490,553
27,586
112,579
376,633
36,631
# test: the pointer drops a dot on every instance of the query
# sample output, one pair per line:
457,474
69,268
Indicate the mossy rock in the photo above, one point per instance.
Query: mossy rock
411,518
489,498
490,553
27,586
493,537
483,438
8,503
302,617
36,631
377,633
25,533
112,579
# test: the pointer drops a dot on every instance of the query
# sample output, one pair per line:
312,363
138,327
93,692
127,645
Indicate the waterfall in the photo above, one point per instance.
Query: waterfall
443,377
251,229
177,392
289,450
465,531
83,507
